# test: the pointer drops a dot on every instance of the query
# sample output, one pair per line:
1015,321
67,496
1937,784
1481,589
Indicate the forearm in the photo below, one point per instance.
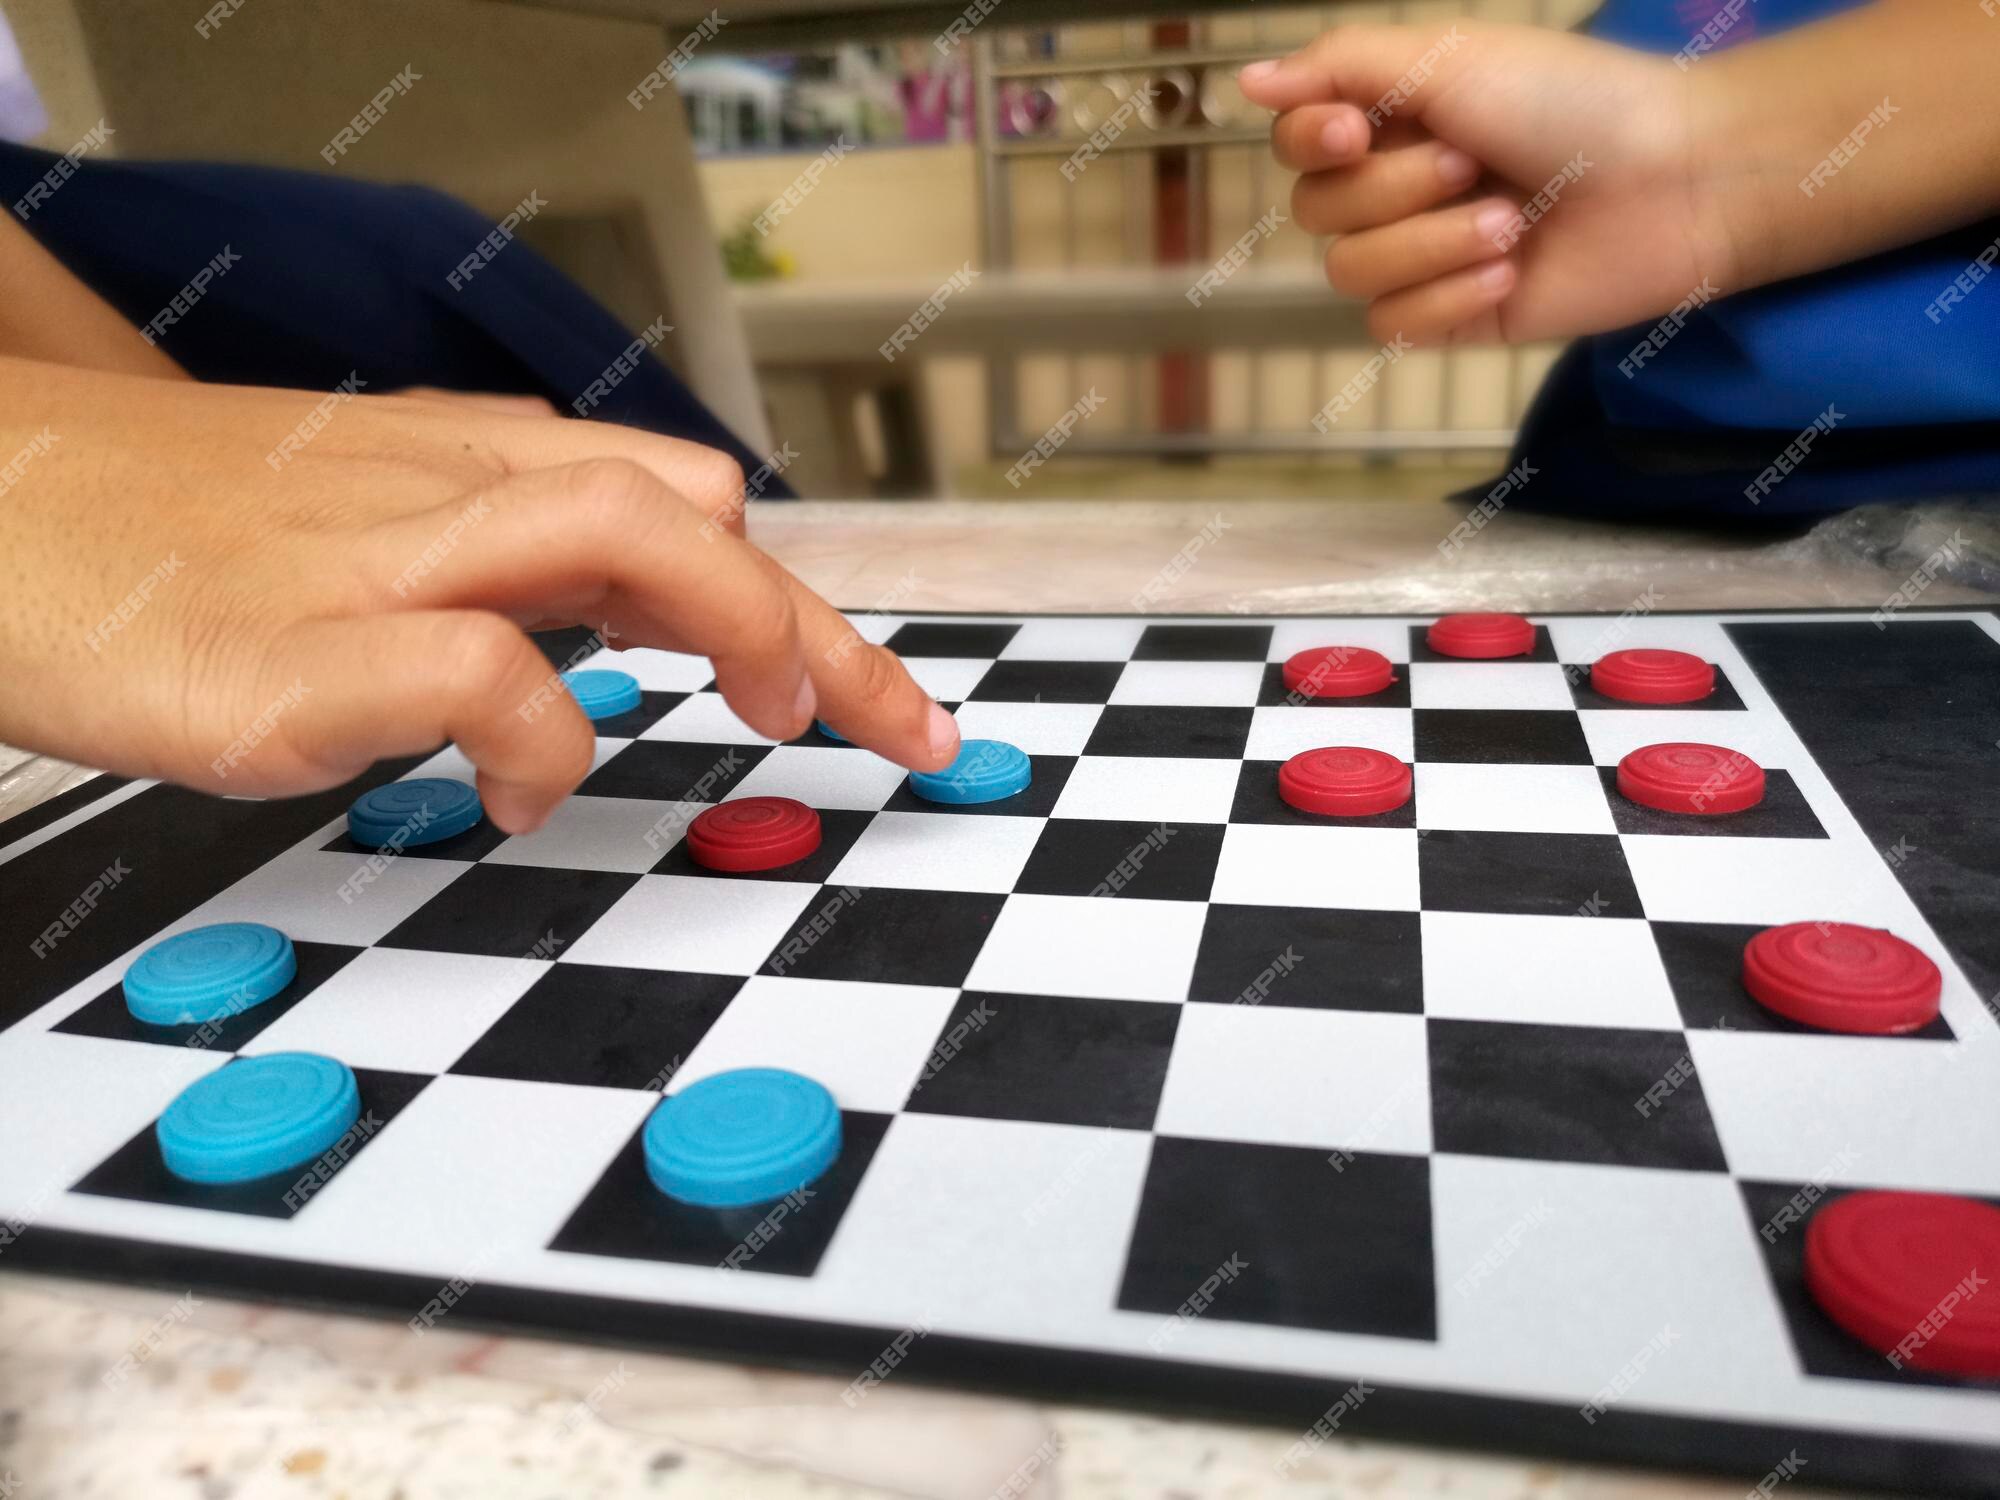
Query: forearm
47,314
1873,129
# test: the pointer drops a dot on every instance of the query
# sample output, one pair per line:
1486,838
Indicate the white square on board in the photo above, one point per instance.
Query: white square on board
1497,798
1150,789
1356,1080
402,1009
866,1042
1562,970
694,924
1085,639
597,833
822,776
1489,684
1103,947
1371,869
1189,684
940,852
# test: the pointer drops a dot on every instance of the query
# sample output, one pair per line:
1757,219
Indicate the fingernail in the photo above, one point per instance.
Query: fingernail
1455,168
805,703
1492,220
512,811
944,731
1496,276
1256,70
1338,137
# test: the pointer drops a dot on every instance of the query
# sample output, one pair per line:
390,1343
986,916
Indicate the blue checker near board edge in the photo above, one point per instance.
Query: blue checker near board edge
258,1116
985,771
829,731
742,1137
209,973
422,810
603,694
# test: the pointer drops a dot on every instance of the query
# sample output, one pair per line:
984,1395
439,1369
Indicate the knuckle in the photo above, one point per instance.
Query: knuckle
485,652
714,483
767,616
614,492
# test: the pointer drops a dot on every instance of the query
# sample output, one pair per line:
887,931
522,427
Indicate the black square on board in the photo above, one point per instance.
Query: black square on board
1257,801
839,828
1048,775
624,1215
136,1169
1569,1093
1050,1058
673,770
629,725
1203,643
1098,857
601,1026
1272,693
1047,682
1207,733
1315,958
1704,964
1420,649
510,911
1724,697
894,936
1500,736
1526,874
943,638
469,847
1779,1213
109,1016
1783,814
1339,1243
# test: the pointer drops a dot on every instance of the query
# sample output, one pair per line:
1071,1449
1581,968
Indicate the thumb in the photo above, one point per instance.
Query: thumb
1367,66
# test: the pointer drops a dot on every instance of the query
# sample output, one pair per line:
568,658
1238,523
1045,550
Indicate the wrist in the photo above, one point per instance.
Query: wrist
1733,207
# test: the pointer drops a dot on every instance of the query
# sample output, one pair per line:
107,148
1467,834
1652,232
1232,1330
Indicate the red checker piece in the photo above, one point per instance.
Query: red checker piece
1644,675
1338,672
1480,636
1344,781
1686,778
753,833
1841,977
1905,1274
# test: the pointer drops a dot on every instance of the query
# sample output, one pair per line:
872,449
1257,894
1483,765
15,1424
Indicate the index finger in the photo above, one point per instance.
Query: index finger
707,478
865,691
1361,63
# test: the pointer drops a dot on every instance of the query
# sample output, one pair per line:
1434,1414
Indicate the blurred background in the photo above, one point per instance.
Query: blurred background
790,182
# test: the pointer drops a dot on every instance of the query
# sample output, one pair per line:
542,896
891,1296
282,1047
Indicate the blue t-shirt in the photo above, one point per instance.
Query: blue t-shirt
1907,338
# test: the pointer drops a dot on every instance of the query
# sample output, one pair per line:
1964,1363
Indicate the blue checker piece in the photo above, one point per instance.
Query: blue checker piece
258,1116
742,1137
985,771
603,694
209,973
829,731
422,810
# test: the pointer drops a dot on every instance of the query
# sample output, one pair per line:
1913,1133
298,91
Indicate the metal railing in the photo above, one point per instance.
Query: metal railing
1199,134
